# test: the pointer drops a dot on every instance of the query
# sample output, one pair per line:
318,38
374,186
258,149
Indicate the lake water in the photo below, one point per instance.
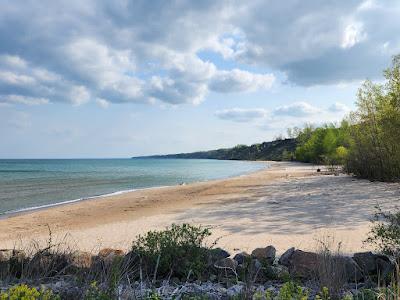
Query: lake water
33,183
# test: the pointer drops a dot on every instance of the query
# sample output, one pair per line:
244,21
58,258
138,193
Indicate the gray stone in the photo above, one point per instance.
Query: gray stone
366,261
285,257
235,290
226,263
219,253
374,264
384,266
351,270
303,264
266,254
256,264
241,258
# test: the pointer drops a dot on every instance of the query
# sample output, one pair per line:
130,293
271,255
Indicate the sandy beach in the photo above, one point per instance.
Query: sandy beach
288,204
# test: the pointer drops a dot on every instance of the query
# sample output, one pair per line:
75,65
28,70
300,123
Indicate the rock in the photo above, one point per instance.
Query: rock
81,260
219,253
266,254
384,266
303,264
374,264
241,257
226,263
235,290
284,260
351,271
278,272
366,261
256,264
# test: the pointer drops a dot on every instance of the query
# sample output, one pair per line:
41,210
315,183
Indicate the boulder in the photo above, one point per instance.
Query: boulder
384,266
351,271
218,253
235,291
366,261
226,263
373,264
284,260
241,257
303,264
266,254
256,264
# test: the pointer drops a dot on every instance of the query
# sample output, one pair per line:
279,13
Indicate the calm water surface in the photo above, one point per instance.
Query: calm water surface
33,183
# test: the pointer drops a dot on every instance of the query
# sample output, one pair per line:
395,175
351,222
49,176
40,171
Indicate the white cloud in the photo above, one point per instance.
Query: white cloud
297,109
300,113
242,114
12,61
103,103
79,95
240,81
18,99
338,107
353,34
15,79
127,58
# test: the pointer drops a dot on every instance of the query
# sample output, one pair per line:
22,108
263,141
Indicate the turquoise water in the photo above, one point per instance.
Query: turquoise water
34,183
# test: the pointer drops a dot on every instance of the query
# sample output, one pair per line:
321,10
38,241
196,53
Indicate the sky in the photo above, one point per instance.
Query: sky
124,78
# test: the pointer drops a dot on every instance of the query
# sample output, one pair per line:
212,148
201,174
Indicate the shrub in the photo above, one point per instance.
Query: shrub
95,293
292,291
24,292
385,232
177,251
331,270
323,294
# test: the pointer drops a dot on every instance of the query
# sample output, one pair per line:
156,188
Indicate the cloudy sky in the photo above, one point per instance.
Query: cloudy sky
122,78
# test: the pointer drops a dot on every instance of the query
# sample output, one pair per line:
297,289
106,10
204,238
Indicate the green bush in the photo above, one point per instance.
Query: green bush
24,292
323,294
367,294
177,251
385,232
323,145
95,293
292,291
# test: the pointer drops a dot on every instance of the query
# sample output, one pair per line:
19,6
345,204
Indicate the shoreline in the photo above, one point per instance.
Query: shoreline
21,211
286,205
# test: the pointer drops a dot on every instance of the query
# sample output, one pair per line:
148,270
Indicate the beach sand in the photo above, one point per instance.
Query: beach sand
286,205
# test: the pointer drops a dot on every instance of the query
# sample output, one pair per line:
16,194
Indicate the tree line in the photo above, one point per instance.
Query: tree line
367,142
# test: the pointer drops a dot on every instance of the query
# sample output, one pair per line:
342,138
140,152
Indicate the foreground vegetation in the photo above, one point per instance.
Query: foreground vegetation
177,263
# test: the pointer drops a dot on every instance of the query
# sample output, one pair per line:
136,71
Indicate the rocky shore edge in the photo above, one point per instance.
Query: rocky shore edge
260,272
